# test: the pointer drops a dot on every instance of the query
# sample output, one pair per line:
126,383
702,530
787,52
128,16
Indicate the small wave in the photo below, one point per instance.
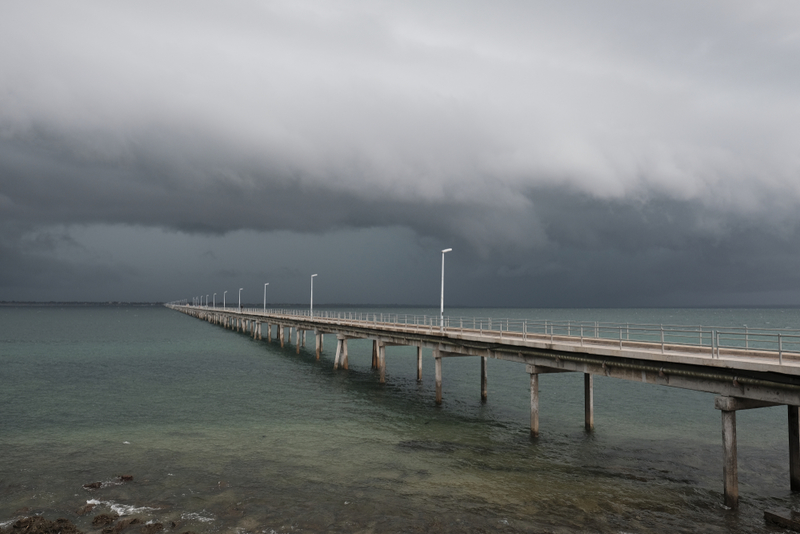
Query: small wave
196,517
122,509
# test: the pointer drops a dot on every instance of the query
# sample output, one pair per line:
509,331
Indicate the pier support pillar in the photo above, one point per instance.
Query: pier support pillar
318,337
382,361
484,379
419,364
297,339
794,448
304,338
338,352
534,405
374,353
588,393
437,359
730,466
281,333
345,365
269,333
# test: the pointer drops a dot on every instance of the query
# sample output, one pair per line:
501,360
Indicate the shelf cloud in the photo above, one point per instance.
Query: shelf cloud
612,154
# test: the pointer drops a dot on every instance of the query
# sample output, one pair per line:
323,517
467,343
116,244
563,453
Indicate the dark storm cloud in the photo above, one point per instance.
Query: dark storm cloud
602,153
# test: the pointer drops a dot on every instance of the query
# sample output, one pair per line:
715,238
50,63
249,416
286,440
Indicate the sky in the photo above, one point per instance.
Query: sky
573,154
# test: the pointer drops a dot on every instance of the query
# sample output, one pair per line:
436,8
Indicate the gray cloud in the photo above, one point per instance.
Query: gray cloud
573,154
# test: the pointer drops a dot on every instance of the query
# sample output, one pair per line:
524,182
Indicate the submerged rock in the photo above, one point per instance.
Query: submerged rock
104,519
85,509
125,478
152,528
40,525
93,485
122,525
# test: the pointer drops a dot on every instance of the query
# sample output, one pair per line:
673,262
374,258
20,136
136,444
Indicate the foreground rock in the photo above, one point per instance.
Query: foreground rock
40,525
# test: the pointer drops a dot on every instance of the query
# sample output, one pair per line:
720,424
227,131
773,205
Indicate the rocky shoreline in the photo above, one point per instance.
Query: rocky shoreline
103,523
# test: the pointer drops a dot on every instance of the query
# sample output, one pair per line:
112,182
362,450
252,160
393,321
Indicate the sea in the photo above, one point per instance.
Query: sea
224,433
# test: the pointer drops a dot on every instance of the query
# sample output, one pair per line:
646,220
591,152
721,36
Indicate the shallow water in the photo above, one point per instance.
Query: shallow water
225,433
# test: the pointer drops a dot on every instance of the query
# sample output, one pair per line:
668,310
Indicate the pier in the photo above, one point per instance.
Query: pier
745,368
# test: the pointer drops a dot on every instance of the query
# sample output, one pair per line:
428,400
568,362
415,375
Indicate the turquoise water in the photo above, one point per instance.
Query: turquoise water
223,433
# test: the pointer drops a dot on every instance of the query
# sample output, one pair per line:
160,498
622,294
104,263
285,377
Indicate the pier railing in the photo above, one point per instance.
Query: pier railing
709,338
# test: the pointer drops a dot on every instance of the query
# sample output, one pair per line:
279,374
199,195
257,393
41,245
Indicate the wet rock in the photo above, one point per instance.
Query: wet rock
40,525
85,509
93,485
152,528
122,525
104,519
125,478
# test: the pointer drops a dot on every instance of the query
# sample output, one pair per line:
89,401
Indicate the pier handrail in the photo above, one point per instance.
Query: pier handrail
713,338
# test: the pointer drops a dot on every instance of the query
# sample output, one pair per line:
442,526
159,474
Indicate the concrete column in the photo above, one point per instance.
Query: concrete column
534,405
484,379
338,353
304,338
281,333
419,364
297,339
794,448
374,353
269,332
437,359
588,393
318,338
730,465
345,365
382,361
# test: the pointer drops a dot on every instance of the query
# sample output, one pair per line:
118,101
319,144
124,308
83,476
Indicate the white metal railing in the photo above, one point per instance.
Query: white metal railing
705,338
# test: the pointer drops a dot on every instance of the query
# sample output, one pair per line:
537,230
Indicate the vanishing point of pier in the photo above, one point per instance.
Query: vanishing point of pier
745,368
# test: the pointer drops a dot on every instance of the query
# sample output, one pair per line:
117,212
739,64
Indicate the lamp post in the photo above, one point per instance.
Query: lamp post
265,297
214,301
441,307
206,301
223,301
240,299
312,295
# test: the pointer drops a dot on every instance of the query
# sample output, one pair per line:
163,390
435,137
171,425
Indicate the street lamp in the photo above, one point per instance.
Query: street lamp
206,301
240,299
441,308
214,301
312,295
223,300
265,297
